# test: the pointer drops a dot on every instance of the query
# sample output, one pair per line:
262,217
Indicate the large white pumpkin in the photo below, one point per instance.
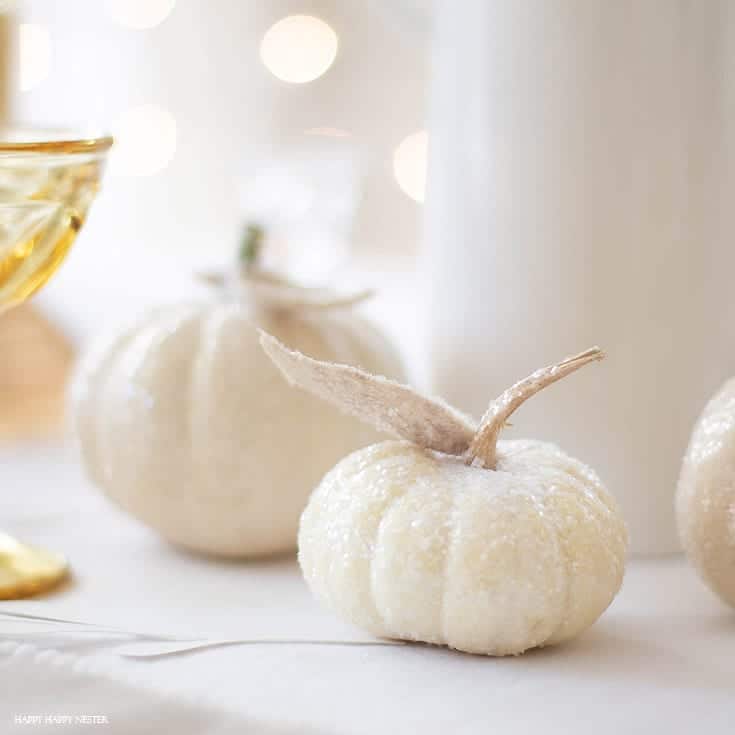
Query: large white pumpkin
449,536
187,425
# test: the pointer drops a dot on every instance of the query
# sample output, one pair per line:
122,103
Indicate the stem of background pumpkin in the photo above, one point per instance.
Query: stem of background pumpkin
251,245
247,257
483,446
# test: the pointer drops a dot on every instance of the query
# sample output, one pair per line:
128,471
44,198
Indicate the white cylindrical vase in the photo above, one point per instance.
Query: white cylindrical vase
580,192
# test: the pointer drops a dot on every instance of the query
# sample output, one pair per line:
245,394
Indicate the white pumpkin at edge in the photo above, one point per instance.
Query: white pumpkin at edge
188,426
449,536
705,499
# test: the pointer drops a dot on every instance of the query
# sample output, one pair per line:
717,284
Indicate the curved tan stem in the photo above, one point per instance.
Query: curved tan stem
482,450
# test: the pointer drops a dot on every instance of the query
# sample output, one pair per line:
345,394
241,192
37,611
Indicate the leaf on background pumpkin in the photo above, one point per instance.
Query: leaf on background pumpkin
279,293
271,291
389,406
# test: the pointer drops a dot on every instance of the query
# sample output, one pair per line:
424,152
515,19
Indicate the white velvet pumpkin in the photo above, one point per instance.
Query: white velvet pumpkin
448,536
705,501
187,425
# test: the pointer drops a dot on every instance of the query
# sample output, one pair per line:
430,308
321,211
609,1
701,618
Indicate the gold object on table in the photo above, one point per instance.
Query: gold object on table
48,180
25,570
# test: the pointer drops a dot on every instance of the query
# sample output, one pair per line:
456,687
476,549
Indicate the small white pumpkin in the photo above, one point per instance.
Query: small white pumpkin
187,425
449,536
705,500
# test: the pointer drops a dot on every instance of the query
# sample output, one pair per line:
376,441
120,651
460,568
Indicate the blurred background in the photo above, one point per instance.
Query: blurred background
307,117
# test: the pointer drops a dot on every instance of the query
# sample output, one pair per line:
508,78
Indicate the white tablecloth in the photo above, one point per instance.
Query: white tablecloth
661,659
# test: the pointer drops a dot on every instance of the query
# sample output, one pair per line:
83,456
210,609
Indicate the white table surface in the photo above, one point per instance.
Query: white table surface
661,659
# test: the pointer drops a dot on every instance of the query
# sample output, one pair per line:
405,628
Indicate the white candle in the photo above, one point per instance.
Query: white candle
581,183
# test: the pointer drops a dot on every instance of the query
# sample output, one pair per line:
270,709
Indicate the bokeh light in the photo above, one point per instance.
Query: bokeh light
410,162
299,48
34,62
140,14
145,141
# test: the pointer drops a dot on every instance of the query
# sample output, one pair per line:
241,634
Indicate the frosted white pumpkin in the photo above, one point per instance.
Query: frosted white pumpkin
448,536
187,425
705,501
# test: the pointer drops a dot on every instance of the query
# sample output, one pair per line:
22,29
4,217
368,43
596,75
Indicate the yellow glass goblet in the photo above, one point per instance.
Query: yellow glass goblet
48,180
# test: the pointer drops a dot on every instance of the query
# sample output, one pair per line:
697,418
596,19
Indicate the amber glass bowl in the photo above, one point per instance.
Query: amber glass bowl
48,180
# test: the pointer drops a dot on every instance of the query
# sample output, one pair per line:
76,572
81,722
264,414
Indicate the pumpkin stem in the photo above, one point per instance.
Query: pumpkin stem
251,245
482,449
